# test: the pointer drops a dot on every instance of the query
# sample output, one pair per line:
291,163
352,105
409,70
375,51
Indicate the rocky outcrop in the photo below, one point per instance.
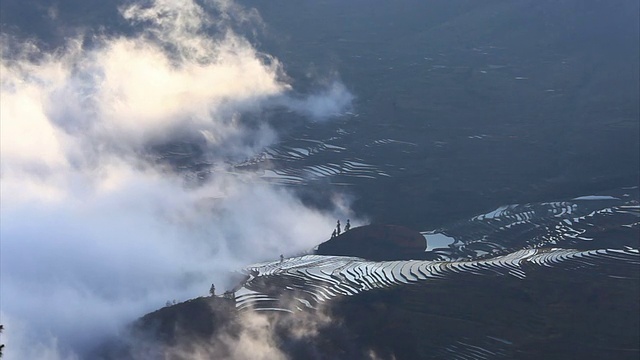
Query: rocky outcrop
377,243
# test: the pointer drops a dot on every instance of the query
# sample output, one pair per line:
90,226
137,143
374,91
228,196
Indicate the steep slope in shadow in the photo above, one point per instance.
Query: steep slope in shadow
555,314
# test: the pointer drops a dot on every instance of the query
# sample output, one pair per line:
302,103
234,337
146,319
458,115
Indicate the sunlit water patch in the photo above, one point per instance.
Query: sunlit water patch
300,161
314,279
587,222
588,233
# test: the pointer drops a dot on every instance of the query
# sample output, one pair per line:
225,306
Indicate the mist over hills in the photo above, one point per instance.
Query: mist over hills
485,301
152,147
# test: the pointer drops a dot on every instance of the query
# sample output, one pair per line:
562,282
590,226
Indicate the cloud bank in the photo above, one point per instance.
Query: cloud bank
258,336
249,335
94,231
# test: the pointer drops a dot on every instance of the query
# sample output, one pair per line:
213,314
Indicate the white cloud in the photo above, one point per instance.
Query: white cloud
21,345
257,335
94,235
330,102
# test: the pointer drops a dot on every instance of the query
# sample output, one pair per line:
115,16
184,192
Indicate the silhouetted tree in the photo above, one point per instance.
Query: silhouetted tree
1,345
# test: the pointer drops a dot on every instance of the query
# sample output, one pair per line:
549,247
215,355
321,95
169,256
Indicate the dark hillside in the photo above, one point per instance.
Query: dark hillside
376,242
